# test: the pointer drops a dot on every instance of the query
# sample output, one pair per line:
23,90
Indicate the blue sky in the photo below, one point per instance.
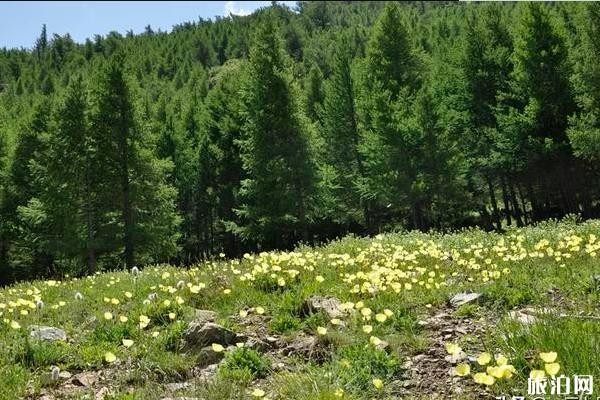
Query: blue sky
21,22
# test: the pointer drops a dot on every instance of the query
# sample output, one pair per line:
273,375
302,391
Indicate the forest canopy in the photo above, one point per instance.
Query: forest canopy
295,125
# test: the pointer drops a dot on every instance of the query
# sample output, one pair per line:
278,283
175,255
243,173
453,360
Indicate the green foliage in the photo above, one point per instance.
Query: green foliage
364,363
246,362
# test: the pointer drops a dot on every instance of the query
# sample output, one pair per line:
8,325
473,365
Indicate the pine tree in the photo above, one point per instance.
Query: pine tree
69,173
389,77
133,180
314,92
219,161
584,130
28,258
533,117
341,134
275,150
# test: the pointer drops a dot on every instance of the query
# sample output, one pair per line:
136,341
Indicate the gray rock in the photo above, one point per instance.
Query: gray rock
47,333
85,379
301,346
464,298
65,375
175,387
200,334
257,344
208,356
331,306
206,316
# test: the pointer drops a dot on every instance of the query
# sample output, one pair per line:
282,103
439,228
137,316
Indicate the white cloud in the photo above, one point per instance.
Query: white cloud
231,8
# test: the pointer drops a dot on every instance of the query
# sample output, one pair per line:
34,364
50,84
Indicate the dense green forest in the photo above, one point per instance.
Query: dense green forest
295,125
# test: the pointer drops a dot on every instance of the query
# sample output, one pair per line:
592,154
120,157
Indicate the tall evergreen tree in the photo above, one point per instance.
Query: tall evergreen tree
275,151
390,80
340,131
584,130
133,179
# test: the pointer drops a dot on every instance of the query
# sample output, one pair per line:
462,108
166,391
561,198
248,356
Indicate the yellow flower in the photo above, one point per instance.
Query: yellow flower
462,369
501,360
484,379
243,313
144,321
195,289
110,357
548,357
114,301
453,348
127,342
380,317
155,334
108,315
123,318
172,315
374,340
319,279
217,348
388,313
367,328
339,392
378,383
537,374
167,303
258,393
322,331
552,368
259,310
484,359
336,321
15,325
226,291
128,295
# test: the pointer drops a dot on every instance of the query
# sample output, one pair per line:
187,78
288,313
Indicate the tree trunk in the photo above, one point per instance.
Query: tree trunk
496,213
515,203
506,202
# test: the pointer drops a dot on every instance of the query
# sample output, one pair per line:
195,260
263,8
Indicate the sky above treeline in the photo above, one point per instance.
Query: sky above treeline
21,21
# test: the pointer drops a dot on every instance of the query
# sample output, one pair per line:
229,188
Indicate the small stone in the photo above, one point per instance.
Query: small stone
208,356
303,346
177,386
455,358
47,333
102,393
257,344
464,298
200,334
65,375
331,306
205,315
86,379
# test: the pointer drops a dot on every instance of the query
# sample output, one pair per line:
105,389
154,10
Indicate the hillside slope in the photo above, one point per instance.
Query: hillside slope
359,318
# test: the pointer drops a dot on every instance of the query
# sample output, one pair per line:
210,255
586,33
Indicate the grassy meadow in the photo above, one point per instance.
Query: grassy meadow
126,329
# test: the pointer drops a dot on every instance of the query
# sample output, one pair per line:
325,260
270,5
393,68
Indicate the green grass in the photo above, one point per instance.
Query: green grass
412,274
